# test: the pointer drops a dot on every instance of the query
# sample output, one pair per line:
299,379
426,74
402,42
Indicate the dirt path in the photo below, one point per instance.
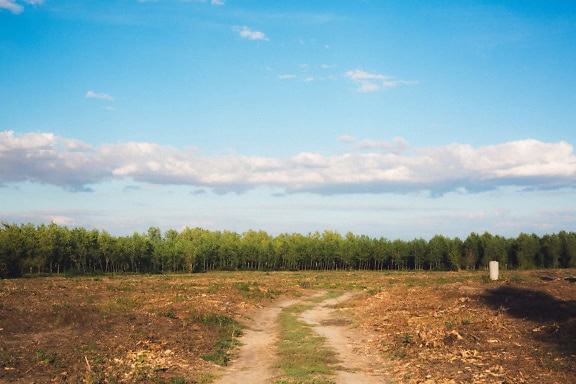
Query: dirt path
358,362
254,362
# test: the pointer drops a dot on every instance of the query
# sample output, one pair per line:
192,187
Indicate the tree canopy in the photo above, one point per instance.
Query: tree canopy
26,249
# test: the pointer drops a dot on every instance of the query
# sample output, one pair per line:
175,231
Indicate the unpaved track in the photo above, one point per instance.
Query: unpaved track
358,361
253,364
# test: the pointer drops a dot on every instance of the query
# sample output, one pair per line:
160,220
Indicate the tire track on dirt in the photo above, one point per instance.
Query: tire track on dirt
358,362
254,361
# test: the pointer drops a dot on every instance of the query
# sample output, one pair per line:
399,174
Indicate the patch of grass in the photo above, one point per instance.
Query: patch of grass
125,304
408,338
374,291
227,331
327,296
6,359
169,313
205,378
513,277
242,286
253,291
46,357
304,284
467,321
303,357
220,355
486,279
90,347
214,288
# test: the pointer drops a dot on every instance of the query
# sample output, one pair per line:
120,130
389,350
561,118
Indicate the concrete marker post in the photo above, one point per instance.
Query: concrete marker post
493,270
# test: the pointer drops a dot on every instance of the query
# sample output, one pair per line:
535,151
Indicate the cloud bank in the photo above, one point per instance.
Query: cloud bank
370,167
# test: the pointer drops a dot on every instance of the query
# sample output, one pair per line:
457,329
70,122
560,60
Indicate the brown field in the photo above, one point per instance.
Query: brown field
449,327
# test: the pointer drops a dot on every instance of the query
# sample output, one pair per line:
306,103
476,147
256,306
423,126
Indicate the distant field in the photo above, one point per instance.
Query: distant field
436,327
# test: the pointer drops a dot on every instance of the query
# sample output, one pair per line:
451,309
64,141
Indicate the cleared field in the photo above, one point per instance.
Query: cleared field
427,327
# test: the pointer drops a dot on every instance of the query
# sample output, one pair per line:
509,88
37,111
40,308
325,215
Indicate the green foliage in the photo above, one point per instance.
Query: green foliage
408,338
51,249
169,313
226,329
220,356
45,357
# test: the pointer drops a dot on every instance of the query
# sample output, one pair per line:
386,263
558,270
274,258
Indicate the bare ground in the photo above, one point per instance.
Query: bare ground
414,327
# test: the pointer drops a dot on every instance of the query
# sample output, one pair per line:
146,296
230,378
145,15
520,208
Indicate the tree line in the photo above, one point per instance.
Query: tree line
28,249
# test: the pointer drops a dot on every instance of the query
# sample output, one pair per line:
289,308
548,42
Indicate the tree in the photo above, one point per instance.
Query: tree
417,249
472,252
438,248
567,249
550,251
525,251
399,254
331,250
13,250
106,246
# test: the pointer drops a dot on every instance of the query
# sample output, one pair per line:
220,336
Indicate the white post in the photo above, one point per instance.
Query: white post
493,269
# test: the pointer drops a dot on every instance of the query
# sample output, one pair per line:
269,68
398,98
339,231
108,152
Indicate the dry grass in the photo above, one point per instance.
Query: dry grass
433,328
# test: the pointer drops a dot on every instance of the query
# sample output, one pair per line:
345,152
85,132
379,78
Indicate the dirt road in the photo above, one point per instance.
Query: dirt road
358,361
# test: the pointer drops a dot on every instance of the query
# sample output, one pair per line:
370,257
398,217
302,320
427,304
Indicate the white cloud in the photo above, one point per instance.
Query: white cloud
14,7
11,6
372,82
368,87
347,139
529,164
102,96
249,34
358,75
218,2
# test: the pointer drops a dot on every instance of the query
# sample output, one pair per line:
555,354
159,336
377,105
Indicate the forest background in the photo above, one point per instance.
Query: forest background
28,249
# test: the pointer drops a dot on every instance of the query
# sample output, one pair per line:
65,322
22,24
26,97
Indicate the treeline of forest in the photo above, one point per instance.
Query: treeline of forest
30,249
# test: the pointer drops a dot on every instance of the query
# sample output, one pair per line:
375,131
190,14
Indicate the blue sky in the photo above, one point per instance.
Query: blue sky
400,119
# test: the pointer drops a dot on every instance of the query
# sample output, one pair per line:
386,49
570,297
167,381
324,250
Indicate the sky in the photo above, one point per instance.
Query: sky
395,119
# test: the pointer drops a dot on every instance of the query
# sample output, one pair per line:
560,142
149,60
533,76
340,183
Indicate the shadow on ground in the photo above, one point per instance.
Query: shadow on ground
554,320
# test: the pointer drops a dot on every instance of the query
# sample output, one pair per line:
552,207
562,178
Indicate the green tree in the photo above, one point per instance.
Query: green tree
525,251
418,253
567,249
15,249
550,251
106,246
472,252
438,248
